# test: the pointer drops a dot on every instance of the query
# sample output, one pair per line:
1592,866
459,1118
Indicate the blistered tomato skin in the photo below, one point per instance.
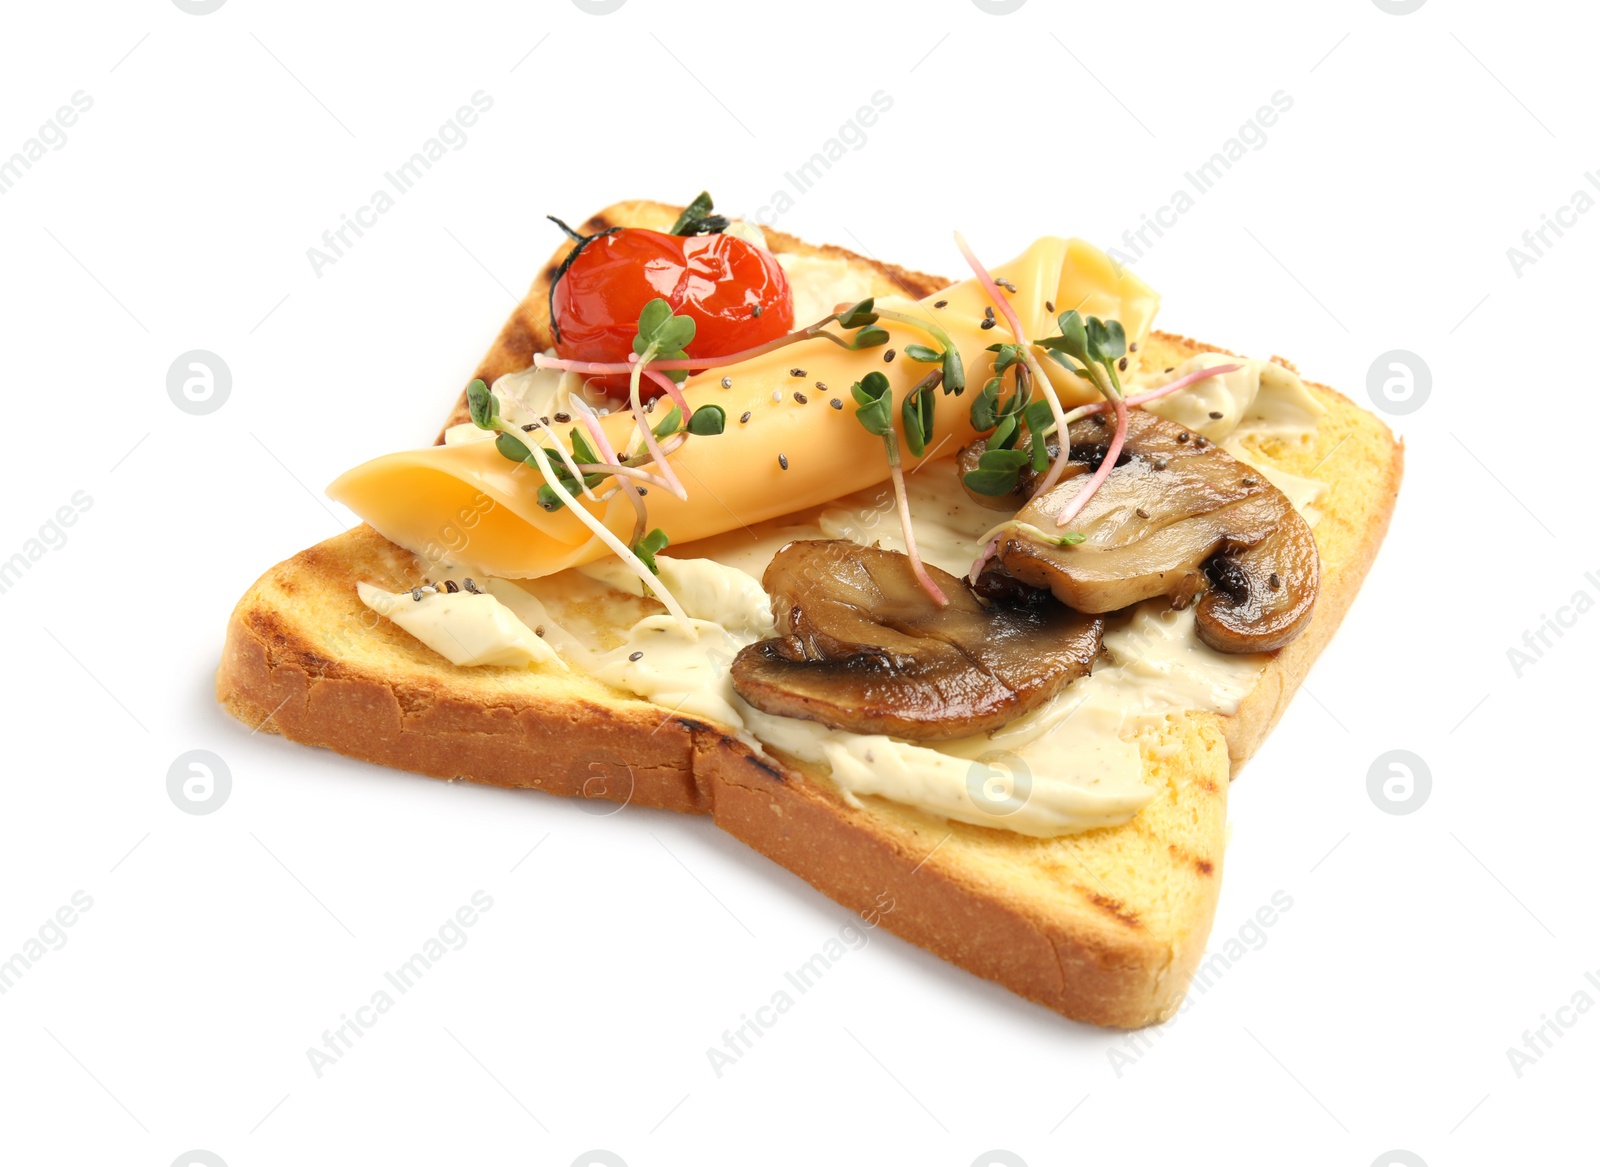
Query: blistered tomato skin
734,291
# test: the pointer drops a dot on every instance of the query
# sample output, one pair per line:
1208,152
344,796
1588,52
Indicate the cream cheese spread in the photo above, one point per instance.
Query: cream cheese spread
464,628
1072,765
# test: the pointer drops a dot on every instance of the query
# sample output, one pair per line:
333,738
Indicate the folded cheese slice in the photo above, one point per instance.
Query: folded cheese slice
466,504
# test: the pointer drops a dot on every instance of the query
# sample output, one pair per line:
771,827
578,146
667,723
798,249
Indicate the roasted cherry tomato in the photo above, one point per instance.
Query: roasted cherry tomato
735,292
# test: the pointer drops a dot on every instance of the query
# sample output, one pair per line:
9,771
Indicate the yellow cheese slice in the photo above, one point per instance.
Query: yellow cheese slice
467,504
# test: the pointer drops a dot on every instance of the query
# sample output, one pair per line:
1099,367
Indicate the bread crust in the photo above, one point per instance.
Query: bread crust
1057,921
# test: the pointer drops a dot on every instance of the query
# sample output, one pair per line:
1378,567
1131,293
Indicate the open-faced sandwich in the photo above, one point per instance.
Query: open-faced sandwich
970,597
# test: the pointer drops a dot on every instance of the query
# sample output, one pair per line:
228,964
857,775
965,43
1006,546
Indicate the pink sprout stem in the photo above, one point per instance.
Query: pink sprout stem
659,458
917,569
1155,394
984,556
1081,499
992,288
596,431
671,389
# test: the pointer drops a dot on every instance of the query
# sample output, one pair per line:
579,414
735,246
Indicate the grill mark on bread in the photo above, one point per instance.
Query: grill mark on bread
1115,908
763,764
1184,855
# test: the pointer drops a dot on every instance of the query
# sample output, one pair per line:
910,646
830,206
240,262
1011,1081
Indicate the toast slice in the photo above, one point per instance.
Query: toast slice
1105,927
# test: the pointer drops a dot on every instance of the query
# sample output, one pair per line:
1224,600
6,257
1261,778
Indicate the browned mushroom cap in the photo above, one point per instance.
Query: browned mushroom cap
1175,506
861,647
1251,607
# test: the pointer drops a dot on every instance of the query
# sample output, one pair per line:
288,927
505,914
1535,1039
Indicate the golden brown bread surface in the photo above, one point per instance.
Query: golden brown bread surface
1105,926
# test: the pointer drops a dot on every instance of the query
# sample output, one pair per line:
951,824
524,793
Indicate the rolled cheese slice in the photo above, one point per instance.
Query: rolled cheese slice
467,504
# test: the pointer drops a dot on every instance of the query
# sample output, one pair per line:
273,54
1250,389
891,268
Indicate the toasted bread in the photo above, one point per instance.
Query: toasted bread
1105,927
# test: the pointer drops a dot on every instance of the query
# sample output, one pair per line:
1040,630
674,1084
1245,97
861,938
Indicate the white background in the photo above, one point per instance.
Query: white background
177,216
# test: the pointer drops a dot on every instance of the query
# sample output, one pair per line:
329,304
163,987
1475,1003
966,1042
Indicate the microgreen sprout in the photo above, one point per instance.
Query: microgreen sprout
484,408
947,356
1024,351
1005,420
916,413
875,412
1092,348
646,547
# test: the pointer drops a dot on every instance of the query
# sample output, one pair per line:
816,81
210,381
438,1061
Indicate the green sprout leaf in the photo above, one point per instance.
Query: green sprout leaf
874,404
651,317
1106,340
997,472
858,315
1074,335
955,376
482,405
916,415
649,545
1038,419
670,424
696,210
869,338
1006,355
1038,416
1005,433
668,334
675,334
921,352
985,412
512,447
582,451
659,327
707,420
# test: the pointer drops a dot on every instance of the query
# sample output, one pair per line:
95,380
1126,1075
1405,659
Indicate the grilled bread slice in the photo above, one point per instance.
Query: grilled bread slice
1105,927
